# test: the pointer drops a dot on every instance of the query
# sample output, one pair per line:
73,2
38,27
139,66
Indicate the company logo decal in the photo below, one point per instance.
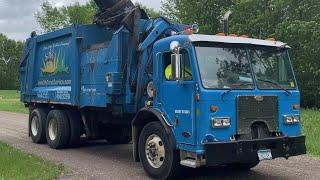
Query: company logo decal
54,64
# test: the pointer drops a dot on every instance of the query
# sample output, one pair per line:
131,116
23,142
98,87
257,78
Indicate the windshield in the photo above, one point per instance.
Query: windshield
272,68
224,67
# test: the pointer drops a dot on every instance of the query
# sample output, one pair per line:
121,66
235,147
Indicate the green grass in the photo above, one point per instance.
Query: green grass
14,164
10,101
311,128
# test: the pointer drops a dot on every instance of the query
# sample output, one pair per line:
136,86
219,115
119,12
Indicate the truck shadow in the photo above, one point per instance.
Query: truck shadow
123,154
225,173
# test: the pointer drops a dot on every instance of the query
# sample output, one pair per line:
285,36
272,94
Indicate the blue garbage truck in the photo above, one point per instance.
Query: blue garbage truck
181,98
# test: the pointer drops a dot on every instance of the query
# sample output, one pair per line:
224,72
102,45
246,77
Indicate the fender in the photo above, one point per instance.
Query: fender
143,117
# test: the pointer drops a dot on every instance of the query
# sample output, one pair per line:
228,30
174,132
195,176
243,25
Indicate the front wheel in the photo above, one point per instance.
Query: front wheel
159,159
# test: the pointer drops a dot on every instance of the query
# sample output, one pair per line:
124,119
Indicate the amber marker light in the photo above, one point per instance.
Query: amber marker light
296,106
214,108
271,39
221,34
188,31
198,97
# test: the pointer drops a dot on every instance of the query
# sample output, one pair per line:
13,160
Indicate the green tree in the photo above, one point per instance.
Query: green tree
10,54
207,14
52,18
296,22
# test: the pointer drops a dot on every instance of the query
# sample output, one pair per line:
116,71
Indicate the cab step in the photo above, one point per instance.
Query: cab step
189,163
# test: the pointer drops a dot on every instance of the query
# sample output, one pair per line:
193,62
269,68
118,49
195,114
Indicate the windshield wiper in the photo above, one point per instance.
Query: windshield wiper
235,88
275,83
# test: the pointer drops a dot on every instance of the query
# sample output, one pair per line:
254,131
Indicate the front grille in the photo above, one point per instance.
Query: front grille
251,109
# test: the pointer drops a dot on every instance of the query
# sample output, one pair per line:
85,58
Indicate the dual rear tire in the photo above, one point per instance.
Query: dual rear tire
37,124
58,128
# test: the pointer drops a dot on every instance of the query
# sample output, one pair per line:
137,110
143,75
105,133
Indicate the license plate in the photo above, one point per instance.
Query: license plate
265,154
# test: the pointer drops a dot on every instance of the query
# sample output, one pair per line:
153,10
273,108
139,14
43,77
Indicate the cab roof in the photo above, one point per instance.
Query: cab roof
236,40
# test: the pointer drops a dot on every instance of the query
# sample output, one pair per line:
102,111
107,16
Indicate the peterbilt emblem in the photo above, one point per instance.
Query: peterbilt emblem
258,98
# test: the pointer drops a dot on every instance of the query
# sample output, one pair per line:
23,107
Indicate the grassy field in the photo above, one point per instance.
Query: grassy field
311,128
9,101
15,164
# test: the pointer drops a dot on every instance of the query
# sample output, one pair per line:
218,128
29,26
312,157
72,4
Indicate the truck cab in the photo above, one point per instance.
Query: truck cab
229,100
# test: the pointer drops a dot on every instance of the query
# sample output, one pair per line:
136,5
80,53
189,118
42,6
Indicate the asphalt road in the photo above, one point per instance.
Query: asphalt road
98,160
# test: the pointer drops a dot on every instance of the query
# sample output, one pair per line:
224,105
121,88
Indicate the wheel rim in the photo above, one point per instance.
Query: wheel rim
35,126
53,129
155,151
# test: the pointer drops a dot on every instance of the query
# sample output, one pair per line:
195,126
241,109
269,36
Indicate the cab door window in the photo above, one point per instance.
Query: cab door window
186,67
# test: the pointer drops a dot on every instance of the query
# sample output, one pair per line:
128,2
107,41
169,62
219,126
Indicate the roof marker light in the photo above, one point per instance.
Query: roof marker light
221,34
271,39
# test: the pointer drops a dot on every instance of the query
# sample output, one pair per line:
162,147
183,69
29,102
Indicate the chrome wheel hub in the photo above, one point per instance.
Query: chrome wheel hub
53,129
155,151
35,126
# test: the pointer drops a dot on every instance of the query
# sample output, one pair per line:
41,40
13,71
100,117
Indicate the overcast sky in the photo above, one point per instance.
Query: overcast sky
17,19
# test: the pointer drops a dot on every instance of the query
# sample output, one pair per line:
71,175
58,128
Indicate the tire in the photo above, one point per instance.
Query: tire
117,135
75,128
37,126
57,129
166,167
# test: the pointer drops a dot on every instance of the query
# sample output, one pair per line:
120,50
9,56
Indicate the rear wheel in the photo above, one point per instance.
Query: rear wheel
37,124
159,159
58,129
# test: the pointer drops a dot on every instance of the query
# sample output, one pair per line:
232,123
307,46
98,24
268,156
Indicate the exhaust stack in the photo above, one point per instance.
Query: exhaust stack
226,19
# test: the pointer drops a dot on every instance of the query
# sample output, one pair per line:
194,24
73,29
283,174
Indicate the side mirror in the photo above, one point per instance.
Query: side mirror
176,65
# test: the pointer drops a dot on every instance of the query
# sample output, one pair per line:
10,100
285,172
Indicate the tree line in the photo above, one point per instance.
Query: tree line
10,54
296,22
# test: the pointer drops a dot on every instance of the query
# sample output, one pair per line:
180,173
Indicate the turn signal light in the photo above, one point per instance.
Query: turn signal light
296,106
197,97
214,108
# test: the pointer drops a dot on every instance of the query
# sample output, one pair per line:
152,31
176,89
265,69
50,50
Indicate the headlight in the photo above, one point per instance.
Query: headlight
291,119
220,122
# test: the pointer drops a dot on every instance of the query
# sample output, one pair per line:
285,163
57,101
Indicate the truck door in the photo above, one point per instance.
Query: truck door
177,99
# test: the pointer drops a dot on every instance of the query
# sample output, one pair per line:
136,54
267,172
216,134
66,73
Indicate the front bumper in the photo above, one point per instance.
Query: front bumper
246,151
